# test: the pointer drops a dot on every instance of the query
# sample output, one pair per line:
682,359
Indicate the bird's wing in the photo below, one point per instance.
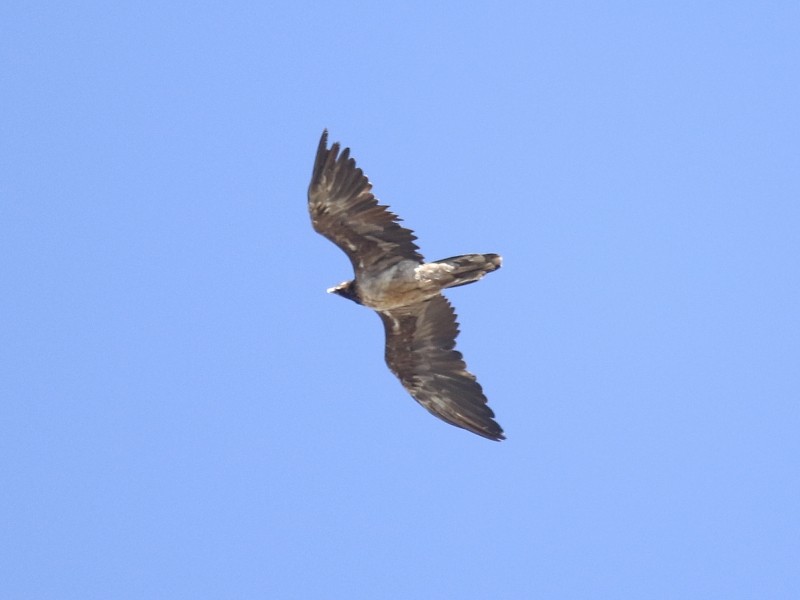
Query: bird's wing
420,342
344,210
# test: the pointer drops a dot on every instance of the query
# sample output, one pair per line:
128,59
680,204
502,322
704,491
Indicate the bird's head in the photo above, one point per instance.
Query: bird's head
346,289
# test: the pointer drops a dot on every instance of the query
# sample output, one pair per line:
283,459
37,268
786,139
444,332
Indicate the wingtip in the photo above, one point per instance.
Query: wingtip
495,436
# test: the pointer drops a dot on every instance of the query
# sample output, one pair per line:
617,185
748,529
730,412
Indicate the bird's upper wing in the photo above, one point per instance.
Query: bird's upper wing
344,210
420,342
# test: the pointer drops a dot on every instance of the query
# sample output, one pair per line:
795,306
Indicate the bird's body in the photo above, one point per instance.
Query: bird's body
409,282
392,278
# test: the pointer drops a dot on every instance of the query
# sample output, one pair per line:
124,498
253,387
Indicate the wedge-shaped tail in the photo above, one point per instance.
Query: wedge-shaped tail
467,268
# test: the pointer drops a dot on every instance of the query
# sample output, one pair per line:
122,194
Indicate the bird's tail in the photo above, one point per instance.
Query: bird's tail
468,268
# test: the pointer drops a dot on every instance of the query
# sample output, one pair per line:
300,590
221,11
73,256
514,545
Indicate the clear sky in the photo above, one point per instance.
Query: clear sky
184,412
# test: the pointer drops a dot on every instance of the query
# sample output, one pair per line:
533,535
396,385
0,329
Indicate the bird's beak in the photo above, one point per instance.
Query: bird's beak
336,288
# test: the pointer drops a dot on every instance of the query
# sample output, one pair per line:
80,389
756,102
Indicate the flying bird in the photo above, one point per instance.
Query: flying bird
392,278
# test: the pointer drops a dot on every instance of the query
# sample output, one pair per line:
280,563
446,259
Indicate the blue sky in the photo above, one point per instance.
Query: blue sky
186,414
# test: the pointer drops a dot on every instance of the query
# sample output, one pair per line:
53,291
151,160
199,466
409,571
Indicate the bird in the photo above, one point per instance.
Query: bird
393,279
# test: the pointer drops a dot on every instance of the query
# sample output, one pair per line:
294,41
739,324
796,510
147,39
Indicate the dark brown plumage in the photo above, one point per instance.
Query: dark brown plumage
392,278
344,210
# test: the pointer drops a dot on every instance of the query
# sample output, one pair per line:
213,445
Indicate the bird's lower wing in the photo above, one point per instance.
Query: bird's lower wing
420,342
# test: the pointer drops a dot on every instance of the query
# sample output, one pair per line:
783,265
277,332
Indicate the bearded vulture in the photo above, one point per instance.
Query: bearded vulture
392,278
